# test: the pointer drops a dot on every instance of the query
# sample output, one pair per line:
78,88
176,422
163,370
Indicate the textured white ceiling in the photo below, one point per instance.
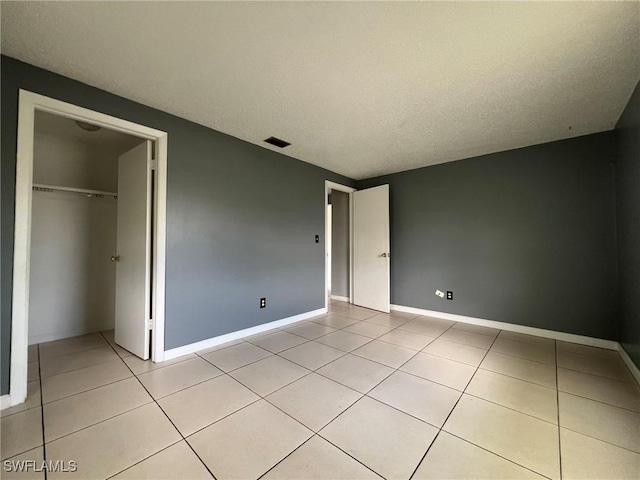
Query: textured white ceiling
359,88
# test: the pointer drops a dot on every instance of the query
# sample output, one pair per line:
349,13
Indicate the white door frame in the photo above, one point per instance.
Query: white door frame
328,185
29,103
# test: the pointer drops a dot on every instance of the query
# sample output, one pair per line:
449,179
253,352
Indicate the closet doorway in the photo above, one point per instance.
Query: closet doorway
89,251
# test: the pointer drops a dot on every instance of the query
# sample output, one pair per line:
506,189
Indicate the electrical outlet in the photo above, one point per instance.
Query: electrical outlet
440,293
317,238
263,302
449,295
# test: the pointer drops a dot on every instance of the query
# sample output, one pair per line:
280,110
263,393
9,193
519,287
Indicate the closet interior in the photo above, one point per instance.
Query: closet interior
73,227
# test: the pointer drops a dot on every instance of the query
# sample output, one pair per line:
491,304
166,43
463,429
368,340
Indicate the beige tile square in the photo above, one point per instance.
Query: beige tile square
613,368
436,321
468,338
451,458
515,436
174,463
587,458
35,455
469,327
222,346
83,379
32,355
121,442
367,329
271,434
268,375
236,356
74,413
358,313
71,345
586,350
21,432
355,372
428,401
531,339
426,328
406,339
456,351
335,321
33,400
529,351
312,355
395,442
317,459
310,330
598,420
440,370
314,400
139,366
602,389
344,341
521,368
33,371
67,363
386,353
525,397
199,406
171,379
387,320
278,341
406,315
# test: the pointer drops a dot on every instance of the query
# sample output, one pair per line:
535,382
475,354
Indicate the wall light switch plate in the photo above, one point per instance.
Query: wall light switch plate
440,293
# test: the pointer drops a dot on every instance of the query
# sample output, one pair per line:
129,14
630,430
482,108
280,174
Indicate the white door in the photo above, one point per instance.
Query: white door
371,268
133,267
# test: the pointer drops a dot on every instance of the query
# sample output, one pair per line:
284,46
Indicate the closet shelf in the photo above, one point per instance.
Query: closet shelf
56,188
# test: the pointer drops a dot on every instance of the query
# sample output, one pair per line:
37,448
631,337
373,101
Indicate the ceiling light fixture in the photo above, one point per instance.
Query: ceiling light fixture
89,127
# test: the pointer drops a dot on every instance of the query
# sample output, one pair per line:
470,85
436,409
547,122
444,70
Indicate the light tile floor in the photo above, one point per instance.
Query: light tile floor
353,394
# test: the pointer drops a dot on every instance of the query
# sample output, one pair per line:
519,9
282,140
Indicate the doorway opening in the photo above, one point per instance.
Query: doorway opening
90,191
338,242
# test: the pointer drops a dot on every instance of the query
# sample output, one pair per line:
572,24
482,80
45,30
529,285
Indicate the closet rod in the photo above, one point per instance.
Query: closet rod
89,193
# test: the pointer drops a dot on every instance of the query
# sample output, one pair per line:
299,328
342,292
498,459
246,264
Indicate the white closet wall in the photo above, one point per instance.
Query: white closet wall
72,280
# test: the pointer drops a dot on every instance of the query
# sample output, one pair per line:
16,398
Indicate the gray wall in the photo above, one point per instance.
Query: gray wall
525,236
339,243
231,236
628,223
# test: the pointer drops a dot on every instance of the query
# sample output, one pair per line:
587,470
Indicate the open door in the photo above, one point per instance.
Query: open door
133,267
371,267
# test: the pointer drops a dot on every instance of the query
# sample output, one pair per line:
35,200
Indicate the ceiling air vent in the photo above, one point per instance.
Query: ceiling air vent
277,142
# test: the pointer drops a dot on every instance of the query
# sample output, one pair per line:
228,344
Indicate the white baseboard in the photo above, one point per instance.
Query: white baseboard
630,365
512,327
339,298
212,342
5,401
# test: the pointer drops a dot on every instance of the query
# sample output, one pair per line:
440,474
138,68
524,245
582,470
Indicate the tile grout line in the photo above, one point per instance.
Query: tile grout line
169,419
44,443
452,409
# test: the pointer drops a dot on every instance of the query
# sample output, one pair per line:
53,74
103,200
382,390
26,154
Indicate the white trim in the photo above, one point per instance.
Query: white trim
5,401
75,332
630,365
339,298
212,342
28,104
511,327
329,185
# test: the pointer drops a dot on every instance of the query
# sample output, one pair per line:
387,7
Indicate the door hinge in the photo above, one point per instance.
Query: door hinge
150,324
154,164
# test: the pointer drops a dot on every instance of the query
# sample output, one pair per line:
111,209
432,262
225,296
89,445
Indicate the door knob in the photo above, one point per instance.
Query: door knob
385,255
115,258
